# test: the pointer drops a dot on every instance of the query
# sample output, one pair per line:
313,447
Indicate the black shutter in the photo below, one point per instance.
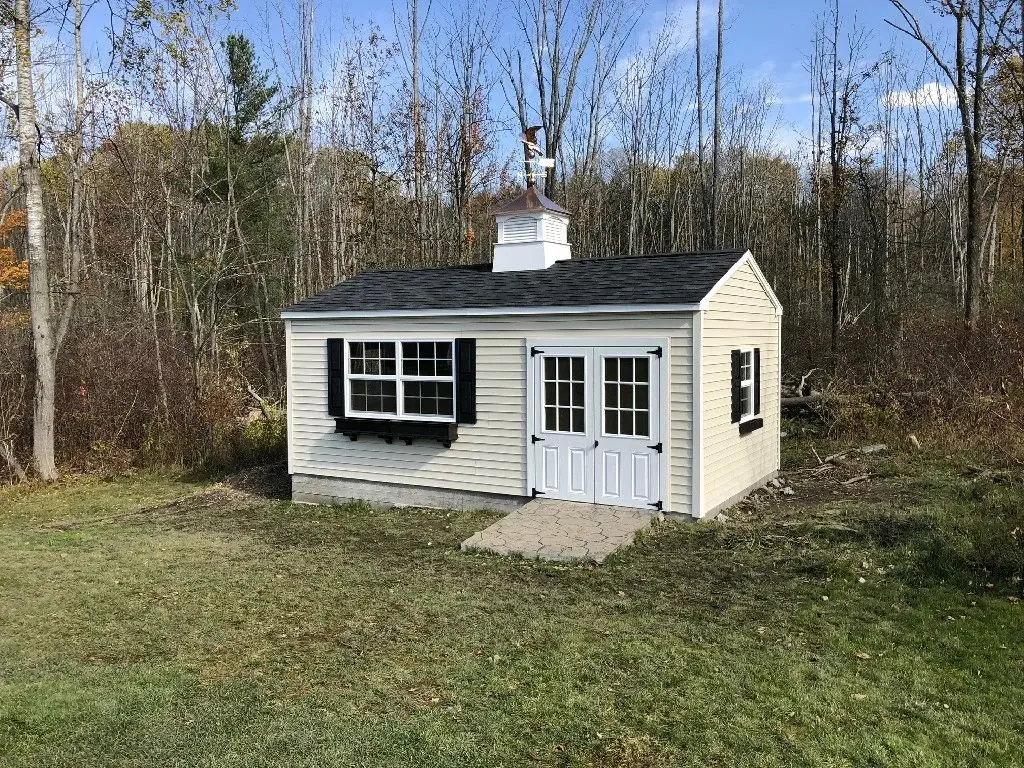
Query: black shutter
737,362
465,381
336,377
757,380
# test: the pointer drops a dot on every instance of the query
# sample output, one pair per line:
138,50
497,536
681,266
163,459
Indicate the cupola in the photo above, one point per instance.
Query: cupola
532,233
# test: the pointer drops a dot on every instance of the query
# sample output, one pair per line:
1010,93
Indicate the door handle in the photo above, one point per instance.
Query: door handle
595,443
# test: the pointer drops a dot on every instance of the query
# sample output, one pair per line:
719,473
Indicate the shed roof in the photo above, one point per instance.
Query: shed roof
675,278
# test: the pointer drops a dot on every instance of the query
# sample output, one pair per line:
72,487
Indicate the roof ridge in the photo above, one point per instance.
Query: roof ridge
479,265
624,257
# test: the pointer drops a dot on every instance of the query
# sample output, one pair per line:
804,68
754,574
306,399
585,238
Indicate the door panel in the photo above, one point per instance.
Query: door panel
579,476
628,387
641,476
564,432
610,474
549,469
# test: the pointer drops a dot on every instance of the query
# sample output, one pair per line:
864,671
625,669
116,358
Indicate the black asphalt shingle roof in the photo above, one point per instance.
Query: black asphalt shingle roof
677,278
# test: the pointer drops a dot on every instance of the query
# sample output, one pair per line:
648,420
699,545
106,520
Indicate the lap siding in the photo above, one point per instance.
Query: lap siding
740,314
489,456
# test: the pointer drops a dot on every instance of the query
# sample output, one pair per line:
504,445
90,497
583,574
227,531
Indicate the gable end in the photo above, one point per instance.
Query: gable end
747,258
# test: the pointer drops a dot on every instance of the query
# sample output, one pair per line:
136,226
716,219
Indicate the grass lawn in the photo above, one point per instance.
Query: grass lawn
150,622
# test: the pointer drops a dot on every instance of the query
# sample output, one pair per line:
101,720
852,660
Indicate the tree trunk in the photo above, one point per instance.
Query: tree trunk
716,138
39,280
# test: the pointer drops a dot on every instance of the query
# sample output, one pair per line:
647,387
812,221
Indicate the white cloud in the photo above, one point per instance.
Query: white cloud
802,98
792,142
929,95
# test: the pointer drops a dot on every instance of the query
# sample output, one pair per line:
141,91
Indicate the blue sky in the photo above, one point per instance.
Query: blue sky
765,39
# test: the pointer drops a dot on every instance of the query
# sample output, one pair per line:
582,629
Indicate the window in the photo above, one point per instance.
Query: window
627,407
564,394
746,384
746,389
401,379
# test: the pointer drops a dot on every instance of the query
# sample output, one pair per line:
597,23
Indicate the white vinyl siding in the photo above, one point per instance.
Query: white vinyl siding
489,456
740,315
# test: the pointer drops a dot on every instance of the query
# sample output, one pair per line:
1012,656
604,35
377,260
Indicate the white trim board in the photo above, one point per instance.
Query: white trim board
289,395
590,309
697,447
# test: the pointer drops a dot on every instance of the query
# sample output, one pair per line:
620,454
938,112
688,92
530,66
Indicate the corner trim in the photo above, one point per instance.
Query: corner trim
697,449
288,376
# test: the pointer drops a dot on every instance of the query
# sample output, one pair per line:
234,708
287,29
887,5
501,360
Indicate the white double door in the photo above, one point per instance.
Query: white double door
596,431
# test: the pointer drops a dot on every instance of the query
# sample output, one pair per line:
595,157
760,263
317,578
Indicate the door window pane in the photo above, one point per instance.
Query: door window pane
611,421
564,391
577,420
627,396
611,395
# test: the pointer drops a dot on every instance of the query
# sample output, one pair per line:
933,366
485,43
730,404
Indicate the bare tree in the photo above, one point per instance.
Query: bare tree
716,138
840,77
557,35
979,26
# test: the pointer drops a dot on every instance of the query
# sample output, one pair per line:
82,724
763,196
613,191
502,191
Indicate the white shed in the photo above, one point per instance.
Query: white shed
648,381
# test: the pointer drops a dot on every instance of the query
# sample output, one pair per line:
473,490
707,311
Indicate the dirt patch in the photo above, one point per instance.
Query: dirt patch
267,482
821,490
241,490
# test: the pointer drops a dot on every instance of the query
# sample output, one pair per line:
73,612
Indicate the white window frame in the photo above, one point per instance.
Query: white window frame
587,384
399,378
747,384
600,382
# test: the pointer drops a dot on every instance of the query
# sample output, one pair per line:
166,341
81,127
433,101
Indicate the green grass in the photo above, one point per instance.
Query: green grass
140,626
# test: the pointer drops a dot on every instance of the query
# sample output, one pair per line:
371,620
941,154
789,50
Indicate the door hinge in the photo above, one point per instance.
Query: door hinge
656,351
657,447
657,505
535,439
535,493
534,351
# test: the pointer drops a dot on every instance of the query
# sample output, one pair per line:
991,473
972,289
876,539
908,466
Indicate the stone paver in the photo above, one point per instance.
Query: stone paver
566,531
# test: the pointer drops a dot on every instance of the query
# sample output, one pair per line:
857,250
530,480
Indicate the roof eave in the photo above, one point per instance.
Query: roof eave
335,314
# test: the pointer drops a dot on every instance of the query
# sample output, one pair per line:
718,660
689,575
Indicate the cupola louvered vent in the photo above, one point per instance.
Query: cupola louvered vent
519,229
554,229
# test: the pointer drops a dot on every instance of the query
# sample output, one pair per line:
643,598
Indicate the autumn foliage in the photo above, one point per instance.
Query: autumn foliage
13,271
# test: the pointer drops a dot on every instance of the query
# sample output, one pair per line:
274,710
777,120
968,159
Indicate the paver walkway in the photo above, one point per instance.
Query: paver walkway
566,531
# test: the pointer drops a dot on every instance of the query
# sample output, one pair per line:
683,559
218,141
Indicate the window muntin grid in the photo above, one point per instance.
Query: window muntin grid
564,394
627,396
